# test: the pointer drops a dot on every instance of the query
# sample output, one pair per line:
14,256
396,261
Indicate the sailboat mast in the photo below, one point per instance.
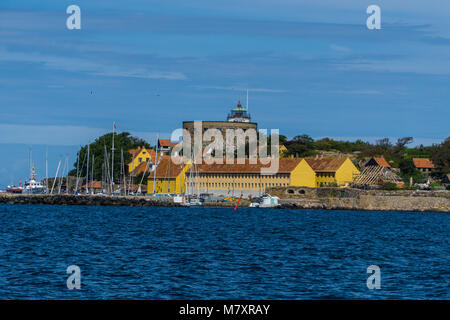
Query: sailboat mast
123,173
31,162
92,174
46,170
67,178
87,171
156,164
56,176
112,158
61,178
78,164
131,174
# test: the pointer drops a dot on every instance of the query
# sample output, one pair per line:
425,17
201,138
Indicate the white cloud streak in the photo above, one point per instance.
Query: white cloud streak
71,64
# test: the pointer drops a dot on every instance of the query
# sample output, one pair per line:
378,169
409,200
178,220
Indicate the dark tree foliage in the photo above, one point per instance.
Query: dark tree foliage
407,167
441,158
328,144
122,141
302,146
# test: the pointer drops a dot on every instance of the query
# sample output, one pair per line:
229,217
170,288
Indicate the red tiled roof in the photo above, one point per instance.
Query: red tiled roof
423,163
94,185
166,143
382,162
325,164
140,169
167,169
285,166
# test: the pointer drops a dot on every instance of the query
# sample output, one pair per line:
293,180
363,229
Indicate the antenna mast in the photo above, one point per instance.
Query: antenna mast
247,100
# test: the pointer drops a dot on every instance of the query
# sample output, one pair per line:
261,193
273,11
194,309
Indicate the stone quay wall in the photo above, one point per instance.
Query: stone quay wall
356,199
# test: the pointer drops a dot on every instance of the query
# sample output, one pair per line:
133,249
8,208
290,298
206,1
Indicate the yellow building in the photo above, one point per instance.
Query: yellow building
234,179
169,177
138,156
333,171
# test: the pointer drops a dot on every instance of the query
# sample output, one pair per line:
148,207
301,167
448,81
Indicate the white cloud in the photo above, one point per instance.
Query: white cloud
362,92
83,65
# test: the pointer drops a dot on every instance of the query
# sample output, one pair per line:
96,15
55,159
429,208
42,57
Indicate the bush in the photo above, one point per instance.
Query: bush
448,187
389,186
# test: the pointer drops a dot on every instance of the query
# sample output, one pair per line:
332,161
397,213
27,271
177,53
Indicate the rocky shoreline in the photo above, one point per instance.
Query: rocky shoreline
362,202
89,200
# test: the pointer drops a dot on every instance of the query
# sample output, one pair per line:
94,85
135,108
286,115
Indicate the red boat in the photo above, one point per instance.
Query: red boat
14,189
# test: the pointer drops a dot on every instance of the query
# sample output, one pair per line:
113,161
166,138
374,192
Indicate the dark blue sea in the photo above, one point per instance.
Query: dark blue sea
219,253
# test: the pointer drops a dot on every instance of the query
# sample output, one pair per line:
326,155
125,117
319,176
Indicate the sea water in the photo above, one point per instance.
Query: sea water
220,253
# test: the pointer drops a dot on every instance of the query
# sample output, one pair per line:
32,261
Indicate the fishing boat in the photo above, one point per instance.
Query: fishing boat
265,201
33,186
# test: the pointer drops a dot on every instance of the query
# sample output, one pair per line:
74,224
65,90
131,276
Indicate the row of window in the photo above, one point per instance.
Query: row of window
243,185
243,176
326,174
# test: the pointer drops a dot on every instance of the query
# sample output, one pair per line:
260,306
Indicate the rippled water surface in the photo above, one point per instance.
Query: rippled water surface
218,253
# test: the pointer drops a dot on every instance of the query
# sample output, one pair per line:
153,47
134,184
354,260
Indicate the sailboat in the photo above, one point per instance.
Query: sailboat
193,199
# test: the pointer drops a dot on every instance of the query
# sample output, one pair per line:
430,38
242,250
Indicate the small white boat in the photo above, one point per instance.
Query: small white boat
186,202
265,201
178,199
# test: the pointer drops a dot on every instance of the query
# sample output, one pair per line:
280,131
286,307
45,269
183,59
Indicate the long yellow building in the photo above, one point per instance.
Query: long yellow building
233,179
236,179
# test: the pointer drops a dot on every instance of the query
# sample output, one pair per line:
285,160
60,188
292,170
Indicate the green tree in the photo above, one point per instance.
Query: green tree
122,141
302,146
441,158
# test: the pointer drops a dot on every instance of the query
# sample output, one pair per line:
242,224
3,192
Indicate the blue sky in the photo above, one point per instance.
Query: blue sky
311,67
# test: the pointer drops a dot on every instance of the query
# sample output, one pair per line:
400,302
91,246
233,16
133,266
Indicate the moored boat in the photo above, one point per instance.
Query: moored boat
33,186
14,189
265,201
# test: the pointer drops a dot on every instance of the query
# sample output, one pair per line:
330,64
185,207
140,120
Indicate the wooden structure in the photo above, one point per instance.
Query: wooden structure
376,175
